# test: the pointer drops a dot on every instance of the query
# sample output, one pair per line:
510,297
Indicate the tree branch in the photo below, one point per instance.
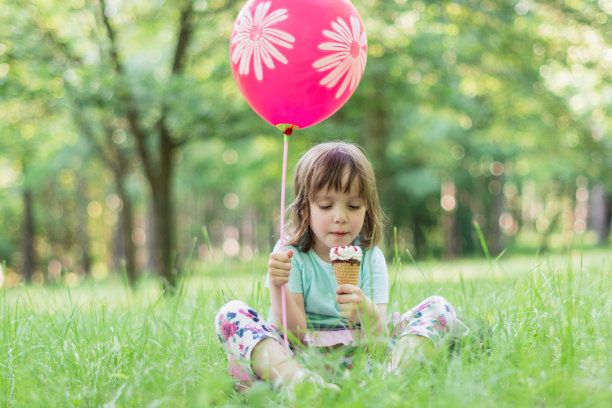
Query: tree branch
182,41
90,135
132,114
122,163
111,36
185,31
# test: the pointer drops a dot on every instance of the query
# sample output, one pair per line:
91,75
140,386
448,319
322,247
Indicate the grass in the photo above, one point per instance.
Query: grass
546,340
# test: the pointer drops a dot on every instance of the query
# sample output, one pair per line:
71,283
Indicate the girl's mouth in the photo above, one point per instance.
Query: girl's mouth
339,234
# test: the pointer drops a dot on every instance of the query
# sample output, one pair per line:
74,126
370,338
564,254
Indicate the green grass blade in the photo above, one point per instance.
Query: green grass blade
483,243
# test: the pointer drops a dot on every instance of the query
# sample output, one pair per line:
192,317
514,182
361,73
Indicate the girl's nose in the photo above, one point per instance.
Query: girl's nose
339,216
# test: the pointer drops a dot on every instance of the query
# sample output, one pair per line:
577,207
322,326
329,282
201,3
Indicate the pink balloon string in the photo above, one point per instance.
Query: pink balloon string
287,133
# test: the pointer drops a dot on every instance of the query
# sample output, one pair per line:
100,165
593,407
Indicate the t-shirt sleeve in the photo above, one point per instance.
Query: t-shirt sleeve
297,266
376,279
295,277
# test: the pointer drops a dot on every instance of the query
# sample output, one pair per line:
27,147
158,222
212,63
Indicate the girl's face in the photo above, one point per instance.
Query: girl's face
336,218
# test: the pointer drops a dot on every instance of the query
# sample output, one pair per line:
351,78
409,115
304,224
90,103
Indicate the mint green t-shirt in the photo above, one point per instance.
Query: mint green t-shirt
316,280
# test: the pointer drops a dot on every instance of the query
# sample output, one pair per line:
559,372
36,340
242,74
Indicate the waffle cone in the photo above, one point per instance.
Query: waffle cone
347,273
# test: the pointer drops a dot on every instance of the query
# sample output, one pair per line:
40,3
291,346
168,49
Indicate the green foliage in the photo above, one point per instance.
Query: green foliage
450,90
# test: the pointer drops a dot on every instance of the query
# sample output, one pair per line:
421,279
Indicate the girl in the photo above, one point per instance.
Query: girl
335,204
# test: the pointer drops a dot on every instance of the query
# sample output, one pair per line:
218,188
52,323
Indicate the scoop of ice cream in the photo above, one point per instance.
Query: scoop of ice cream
345,253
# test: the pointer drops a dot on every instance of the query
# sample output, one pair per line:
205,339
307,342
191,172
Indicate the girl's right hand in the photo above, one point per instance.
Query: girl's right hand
279,267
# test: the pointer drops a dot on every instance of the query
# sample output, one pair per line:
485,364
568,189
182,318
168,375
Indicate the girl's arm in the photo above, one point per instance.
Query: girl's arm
381,319
279,268
356,306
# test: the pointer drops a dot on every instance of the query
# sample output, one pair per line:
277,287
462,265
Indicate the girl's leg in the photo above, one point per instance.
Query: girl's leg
420,328
249,338
410,349
270,361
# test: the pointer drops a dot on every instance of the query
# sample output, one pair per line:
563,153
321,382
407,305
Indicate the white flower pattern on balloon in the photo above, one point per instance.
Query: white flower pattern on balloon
255,39
348,59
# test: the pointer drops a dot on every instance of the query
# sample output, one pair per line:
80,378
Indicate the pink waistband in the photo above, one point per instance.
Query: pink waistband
329,338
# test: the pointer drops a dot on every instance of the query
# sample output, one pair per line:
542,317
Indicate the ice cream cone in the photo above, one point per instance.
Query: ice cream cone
346,261
347,272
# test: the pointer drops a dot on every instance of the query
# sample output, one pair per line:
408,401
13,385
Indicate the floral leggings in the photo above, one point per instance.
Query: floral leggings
240,328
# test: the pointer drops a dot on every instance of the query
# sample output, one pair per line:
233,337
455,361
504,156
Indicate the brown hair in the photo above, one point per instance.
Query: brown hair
323,166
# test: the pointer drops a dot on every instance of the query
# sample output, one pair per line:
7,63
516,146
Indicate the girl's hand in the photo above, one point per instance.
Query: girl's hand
279,267
352,302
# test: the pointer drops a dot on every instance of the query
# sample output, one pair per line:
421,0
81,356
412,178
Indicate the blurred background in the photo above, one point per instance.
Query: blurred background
125,145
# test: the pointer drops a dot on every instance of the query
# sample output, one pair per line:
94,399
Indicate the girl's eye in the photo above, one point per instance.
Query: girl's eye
325,207
354,207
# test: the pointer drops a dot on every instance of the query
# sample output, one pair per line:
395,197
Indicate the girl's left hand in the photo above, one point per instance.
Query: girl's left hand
352,302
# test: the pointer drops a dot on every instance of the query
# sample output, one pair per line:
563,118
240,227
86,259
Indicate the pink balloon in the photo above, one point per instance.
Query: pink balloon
297,62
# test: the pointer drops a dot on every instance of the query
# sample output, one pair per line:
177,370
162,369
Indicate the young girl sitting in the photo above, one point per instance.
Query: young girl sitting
335,204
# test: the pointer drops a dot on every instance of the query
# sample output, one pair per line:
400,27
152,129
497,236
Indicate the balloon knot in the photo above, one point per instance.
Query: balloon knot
289,130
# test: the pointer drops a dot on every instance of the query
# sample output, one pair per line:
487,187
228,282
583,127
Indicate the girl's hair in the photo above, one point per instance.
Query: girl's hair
323,167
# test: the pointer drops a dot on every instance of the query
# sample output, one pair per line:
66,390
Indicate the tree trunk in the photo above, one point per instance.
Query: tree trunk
158,165
464,227
127,227
448,220
29,231
83,236
118,247
495,240
151,231
421,244
164,215
464,230
605,236
601,213
164,239
448,224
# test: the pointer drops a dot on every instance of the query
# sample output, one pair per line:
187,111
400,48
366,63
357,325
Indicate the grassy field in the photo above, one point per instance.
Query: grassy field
545,340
